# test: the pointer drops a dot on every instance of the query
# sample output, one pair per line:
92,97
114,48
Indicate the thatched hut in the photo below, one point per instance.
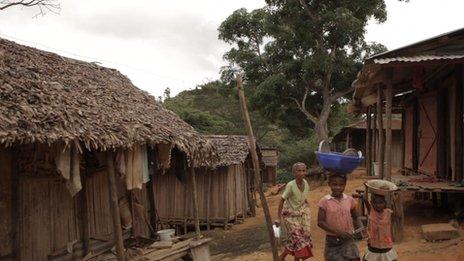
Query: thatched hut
270,160
61,120
224,189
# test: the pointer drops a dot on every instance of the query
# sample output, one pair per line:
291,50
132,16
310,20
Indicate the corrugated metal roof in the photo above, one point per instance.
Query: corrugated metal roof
418,58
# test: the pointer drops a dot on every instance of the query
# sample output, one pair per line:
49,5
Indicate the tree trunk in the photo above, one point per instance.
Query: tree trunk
321,128
322,132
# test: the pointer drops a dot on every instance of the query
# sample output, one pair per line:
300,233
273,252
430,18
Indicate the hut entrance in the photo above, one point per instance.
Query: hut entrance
428,135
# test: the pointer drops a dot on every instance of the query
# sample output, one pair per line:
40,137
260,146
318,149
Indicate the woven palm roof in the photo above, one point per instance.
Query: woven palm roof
48,98
232,149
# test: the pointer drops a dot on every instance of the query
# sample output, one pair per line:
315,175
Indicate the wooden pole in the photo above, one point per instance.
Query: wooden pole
84,214
381,153
374,134
195,202
388,130
368,142
208,198
115,207
254,157
347,143
250,189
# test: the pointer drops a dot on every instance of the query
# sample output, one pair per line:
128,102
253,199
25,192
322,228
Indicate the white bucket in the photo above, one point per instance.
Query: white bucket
377,168
166,234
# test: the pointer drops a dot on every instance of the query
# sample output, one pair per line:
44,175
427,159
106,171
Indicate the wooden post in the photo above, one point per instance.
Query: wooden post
374,135
195,202
115,207
151,190
84,213
208,198
388,130
368,142
254,157
250,191
381,151
347,143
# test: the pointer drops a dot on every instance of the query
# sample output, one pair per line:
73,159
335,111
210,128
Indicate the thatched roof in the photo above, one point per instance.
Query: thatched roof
232,149
48,98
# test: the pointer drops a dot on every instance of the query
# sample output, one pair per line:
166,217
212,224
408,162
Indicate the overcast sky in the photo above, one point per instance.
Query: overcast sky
161,43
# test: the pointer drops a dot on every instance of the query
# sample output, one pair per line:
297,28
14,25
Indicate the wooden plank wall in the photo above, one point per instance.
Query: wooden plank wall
6,224
48,215
48,219
100,222
227,195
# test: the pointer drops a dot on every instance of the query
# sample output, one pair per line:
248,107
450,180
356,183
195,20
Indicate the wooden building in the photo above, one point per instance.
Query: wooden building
270,160
423,81
64,127
354,136
224,189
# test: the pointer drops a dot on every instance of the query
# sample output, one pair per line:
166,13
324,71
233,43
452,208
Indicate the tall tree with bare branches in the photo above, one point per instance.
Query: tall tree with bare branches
43,6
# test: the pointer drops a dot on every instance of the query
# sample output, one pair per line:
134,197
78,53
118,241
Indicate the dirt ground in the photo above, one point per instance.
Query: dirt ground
248,241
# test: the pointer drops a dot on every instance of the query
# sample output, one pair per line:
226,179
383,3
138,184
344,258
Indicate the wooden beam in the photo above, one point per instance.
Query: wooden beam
195,202
117,230
381,151
368,142
254,157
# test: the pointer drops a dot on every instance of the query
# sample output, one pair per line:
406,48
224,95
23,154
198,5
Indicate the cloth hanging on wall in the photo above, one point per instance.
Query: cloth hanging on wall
136,167
120,163
67,162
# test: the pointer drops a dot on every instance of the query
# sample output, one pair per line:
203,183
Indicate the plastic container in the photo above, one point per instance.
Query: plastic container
276,231
337,162
166,234
377,168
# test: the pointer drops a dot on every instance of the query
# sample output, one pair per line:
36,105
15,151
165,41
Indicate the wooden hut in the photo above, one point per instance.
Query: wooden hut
224,189
354,136
424,82
62,122
270,159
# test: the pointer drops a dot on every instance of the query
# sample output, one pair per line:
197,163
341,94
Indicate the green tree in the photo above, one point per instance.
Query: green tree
301,56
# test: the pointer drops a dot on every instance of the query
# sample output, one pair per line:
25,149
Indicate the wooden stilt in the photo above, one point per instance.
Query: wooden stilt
254,156
368,142
115,207
388,130
381,154
195,202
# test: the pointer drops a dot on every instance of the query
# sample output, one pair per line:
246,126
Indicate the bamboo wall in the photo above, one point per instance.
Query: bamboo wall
48,217
222,195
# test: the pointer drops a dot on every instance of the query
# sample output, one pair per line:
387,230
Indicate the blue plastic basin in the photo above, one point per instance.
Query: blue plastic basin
337,162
